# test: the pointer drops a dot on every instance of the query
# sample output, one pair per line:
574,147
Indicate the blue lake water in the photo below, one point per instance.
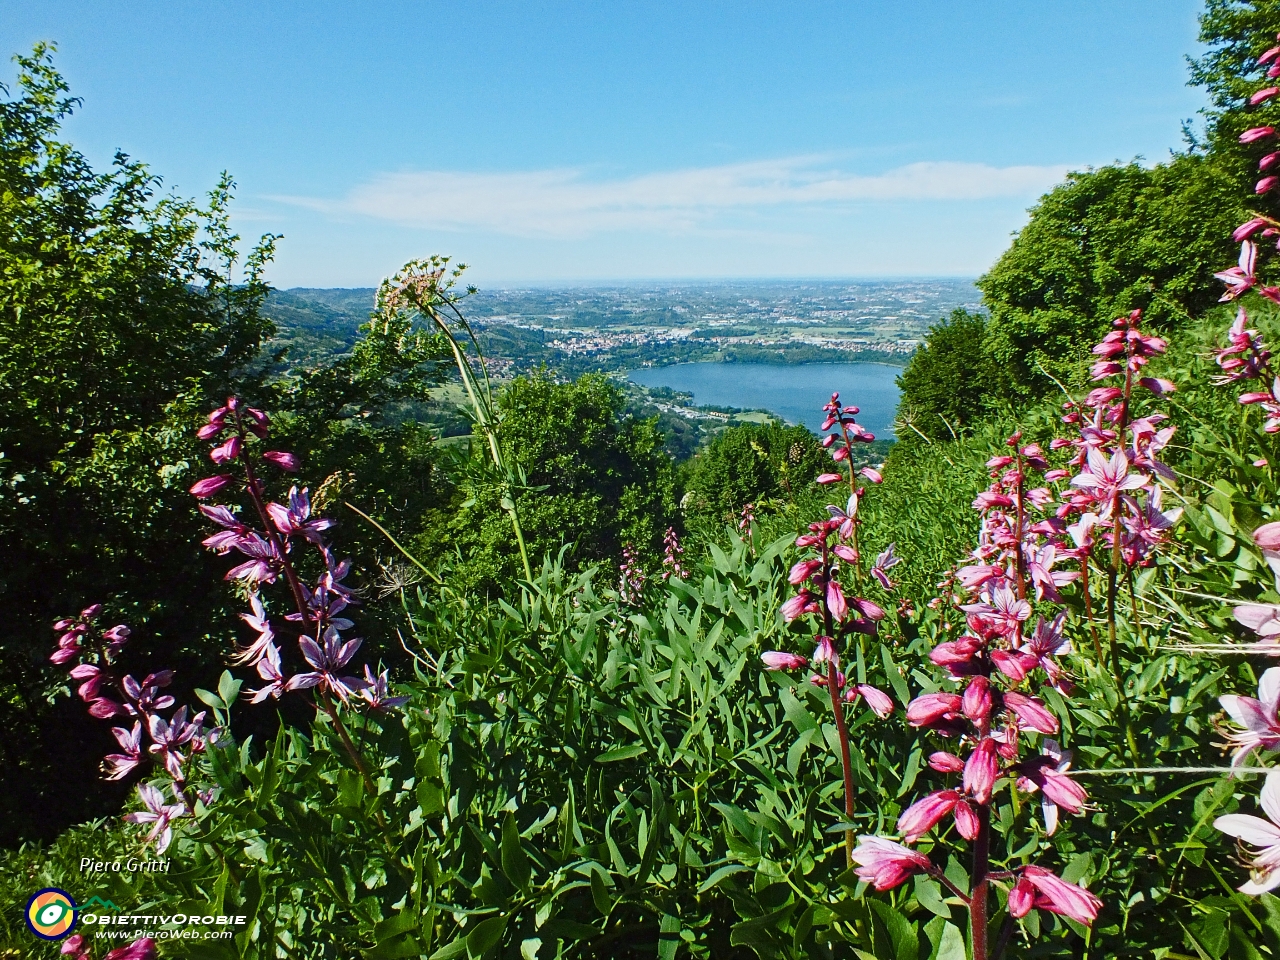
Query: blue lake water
795,392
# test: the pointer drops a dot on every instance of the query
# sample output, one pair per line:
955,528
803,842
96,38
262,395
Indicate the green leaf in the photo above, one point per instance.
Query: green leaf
800,718
403,922
485,936
947,940
621,753
209,698
529,948
720,873
515,864
929,895
228,688
668,937
896,679
451,950
902,932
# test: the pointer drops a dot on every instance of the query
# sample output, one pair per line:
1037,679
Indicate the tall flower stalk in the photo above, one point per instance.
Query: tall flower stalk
426,287
830,545
996,665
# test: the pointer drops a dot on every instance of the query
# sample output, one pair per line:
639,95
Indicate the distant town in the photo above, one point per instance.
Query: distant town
626,326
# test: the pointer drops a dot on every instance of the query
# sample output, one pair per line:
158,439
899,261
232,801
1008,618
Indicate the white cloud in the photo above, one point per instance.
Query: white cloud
567,203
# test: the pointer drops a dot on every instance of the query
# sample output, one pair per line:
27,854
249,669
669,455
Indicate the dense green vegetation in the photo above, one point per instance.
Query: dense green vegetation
587,759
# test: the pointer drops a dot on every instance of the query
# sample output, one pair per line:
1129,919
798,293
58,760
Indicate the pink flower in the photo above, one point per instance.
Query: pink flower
158,814
1262,618
1264,866
945,762
227,452
1248,228
1266,93
286,461
976,701
144,948
981,771
1106,479
1058,896
1258,719
268,667
1021,898
929,708
826,478
1048,773
1265,184
871,474
1240,279
803,602
803,570
880,702
779,660
210,485
885,864
1254,134
836,602
119,765
1267,536
1031,712
921,817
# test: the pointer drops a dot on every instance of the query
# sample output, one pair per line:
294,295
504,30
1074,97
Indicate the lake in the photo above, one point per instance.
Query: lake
795,392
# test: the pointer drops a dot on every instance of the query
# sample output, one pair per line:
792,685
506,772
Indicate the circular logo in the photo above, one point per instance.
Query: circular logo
51,913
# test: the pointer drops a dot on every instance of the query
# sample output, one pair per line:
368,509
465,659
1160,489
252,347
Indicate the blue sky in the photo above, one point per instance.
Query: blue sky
554,141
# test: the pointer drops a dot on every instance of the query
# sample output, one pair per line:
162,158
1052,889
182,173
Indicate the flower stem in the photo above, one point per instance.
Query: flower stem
846,760
978,898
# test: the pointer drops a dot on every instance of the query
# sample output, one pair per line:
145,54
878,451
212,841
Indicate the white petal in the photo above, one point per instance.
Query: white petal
1269,687
1265,883
1270,798
1252,830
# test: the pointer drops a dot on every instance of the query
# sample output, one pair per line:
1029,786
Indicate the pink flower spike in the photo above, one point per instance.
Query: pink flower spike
210,485
885,864
780,660
1264,866
1058,896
